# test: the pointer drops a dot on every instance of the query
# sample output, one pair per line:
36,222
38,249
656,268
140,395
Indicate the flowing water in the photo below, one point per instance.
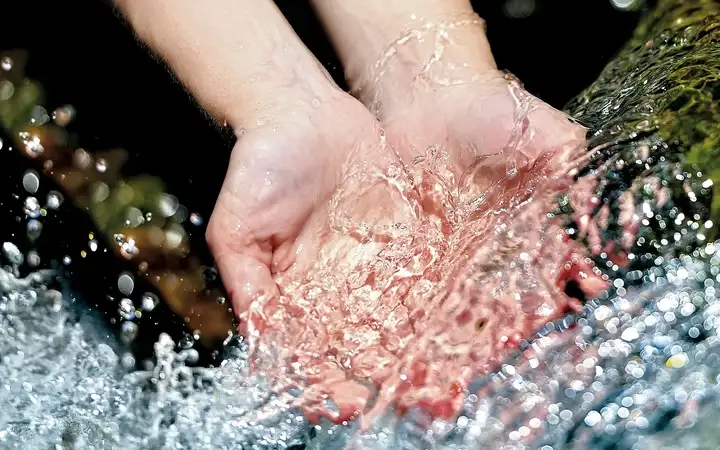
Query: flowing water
438,319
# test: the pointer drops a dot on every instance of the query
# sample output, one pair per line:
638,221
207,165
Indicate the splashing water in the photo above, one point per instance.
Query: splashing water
423,300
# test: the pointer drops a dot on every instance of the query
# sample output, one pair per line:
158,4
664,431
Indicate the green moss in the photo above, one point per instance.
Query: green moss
662,93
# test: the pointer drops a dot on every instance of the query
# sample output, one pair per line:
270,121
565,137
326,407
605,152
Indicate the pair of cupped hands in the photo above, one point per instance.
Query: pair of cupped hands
422,74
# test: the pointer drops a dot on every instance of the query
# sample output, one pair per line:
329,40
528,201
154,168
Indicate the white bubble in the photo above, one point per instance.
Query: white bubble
196,219
54,200
32,207
128,331
31,181
126,283
33,259
6,63
12,253
126,309
149,301
168,205
624,5
34,229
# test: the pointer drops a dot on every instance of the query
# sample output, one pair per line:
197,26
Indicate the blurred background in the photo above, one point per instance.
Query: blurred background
83,55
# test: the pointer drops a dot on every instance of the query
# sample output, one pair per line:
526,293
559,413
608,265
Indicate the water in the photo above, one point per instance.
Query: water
636,367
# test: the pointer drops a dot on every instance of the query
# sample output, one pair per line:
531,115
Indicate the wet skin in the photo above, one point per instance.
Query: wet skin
321,183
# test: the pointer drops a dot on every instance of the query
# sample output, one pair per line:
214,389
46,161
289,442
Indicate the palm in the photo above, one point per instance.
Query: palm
492,121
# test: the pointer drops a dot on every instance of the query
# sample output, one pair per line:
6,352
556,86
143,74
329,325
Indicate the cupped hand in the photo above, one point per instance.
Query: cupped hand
274,204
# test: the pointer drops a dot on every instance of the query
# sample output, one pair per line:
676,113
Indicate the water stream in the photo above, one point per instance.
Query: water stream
637,366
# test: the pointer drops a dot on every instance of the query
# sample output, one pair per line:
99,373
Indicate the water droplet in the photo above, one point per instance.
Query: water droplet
181,214
39,116
54,200
186,341
101,165
624,5
149,301
32,207
12,253
31,181
82,159
126,309
32,144
34,229
189,356
126,283
6,63
128,361
135,218
128,331
168,205
196,219
33,259
63,115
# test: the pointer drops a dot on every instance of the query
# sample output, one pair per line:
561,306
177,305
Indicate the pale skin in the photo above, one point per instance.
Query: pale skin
299,134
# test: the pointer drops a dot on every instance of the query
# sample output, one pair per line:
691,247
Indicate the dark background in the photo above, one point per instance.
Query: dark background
85,56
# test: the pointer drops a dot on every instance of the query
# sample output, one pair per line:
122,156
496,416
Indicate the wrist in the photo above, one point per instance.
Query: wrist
240,59
393,46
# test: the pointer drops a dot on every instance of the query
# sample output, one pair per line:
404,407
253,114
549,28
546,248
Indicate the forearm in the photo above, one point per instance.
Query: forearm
239,58
403,36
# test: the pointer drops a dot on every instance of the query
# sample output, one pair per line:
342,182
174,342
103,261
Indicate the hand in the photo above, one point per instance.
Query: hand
482,150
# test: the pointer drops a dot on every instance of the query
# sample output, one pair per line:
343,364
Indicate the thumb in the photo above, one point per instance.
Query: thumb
244,267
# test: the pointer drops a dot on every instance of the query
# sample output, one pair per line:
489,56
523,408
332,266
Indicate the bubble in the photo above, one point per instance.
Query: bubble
186,341
32,208
6,63
168,204
128,332
135,218
196,219
63,115
128,249
34,229
100,192
181,214
624,5
54,200
149,301
189,356
12,253
316,102
33,259
128,361
82,159
126,283
67,260
519,9
126,309
101,165
39,116
31,181
32,144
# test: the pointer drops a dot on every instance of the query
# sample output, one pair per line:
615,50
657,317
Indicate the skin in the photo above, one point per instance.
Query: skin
300,136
